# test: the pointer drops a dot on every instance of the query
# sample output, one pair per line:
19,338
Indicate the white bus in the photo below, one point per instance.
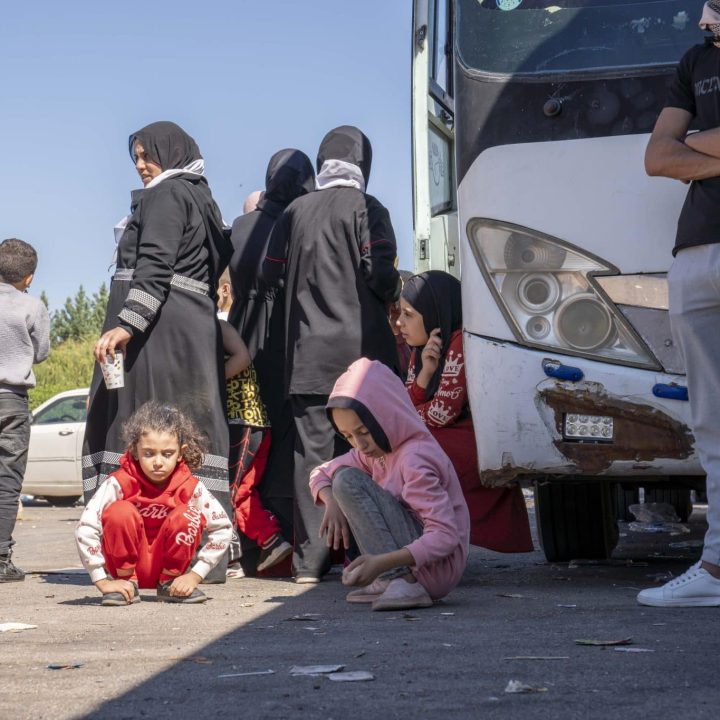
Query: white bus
530,122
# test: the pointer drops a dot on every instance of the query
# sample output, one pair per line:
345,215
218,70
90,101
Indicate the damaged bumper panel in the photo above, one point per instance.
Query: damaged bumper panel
521,417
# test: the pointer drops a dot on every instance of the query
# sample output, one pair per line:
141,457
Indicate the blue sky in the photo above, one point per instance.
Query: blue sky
243,78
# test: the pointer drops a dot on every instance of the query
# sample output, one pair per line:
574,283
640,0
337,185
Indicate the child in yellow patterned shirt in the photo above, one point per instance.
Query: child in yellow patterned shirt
249,448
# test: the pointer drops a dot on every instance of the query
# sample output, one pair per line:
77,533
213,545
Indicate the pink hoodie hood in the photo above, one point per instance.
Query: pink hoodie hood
371,388
414,469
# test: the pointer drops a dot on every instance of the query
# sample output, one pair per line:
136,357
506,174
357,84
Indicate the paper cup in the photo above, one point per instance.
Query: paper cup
113,371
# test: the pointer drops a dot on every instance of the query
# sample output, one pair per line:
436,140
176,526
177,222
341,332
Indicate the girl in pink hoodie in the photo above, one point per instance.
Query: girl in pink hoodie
397,492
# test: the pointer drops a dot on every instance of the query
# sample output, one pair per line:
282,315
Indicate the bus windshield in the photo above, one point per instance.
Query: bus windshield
545,37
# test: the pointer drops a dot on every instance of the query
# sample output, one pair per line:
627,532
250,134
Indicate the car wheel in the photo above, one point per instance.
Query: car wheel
63,500
575,520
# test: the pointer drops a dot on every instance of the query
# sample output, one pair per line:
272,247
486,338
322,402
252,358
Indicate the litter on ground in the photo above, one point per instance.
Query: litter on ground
351,676
15,627
605,643
515,686
315,670
537,657
247,674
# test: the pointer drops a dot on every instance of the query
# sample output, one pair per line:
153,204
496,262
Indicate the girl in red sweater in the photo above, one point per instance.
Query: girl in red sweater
431,322
143,526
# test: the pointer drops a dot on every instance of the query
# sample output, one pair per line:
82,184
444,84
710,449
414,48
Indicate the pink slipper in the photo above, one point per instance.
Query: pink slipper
402,595
369,593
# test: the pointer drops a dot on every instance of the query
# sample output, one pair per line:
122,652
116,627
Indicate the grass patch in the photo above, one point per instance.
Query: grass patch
69,366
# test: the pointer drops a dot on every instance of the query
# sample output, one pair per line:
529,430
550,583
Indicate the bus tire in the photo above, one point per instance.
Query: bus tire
575,520
624,498
678,497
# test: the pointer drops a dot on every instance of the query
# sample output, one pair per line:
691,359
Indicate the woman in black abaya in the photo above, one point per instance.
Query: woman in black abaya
161,309
334,253
258,314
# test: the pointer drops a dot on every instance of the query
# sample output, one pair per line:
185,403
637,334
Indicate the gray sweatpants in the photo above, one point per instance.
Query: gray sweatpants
379,522
694,285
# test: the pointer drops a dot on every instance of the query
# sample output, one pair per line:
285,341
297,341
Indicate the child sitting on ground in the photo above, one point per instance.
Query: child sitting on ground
144,524
396,490
431,323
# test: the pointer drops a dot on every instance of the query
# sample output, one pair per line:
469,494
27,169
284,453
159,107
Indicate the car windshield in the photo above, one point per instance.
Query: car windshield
65,410
541,37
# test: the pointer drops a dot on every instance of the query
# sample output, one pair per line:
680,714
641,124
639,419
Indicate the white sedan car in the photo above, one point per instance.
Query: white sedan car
54,469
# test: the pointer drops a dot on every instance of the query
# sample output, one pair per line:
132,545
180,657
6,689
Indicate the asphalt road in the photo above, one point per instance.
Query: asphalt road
453,660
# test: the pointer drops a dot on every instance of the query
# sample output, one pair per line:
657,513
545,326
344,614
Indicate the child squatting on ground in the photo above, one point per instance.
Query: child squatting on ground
144,524
396,490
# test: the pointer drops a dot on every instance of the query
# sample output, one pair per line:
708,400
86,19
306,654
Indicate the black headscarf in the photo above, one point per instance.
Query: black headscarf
436,296
166,144
348,144
289,175
170,147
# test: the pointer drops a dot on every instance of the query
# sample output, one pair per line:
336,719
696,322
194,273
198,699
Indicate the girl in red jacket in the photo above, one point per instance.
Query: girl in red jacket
143,526
431,322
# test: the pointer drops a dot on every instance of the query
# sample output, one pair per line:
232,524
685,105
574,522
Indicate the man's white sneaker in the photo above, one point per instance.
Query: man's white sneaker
696,587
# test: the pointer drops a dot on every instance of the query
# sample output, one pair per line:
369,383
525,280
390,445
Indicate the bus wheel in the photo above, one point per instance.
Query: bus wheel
678,497
624,498
575,520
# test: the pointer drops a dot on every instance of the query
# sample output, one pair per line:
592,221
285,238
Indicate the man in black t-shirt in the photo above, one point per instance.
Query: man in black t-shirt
694,282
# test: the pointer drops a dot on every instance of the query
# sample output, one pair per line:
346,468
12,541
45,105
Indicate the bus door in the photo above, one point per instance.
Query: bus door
433,118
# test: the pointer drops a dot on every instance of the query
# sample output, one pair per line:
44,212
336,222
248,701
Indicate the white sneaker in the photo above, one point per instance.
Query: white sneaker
696,587
234,572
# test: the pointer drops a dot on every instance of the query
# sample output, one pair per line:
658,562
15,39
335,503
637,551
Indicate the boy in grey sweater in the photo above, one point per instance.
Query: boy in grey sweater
24,340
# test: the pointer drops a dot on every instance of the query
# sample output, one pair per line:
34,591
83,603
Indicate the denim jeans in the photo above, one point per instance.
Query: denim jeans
14,442
379,522
694,286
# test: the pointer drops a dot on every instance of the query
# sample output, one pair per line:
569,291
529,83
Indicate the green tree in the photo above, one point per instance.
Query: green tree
80,317
100,301
69,366
73,331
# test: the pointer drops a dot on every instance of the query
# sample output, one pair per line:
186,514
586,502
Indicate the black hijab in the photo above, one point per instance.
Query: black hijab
289,175
170,147
436,296
348,144
166,144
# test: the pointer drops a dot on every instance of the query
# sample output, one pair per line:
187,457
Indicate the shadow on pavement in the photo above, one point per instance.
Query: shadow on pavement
512,617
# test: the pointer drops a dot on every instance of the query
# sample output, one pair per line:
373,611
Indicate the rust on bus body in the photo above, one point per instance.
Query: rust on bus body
641,433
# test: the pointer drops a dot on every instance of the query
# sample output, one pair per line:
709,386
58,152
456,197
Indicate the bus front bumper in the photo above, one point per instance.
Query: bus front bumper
519,415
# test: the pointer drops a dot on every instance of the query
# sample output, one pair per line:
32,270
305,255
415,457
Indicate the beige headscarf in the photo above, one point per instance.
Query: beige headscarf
710,19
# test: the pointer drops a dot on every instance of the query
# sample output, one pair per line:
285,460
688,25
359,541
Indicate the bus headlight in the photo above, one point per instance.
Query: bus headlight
546,291
583,323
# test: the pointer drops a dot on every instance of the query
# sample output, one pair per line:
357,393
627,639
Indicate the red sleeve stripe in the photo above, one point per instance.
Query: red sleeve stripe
277,260
368,245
